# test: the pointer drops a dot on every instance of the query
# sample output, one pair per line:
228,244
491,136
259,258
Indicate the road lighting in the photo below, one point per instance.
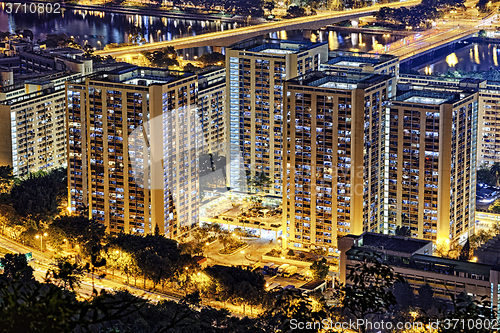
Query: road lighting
67,243
41,240
99,43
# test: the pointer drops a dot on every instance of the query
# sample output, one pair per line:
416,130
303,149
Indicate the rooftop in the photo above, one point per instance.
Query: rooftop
277,46
339,80
429,97
360,57
313,285
391,243
143,76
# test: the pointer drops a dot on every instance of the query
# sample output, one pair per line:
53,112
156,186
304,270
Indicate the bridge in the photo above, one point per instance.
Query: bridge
432,43
226,38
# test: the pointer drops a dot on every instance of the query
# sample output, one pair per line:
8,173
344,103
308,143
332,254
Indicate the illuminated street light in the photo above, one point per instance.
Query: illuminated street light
41,240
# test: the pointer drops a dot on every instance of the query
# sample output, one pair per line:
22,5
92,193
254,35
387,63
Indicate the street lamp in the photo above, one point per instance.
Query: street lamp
243,253
67,243
99,43
41,240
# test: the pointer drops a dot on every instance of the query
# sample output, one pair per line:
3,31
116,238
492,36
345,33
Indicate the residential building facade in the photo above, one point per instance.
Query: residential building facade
333,177
33,134
256,73
134,135
430,163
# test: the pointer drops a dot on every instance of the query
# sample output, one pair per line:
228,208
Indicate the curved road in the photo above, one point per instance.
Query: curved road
247,32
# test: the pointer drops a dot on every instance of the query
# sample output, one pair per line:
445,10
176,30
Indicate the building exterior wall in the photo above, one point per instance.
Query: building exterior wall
211,108
255,110
328,164
489,127
431,159
132,154
37,131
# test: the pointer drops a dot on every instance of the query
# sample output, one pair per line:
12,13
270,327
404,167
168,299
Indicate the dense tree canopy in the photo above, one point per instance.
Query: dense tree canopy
415,17
40,195
78,229
164,58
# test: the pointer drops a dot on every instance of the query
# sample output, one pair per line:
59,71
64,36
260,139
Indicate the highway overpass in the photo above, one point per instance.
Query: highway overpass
226,38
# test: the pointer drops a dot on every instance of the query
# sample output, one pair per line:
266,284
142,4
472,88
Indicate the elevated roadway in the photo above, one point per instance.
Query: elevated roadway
433,42
226,38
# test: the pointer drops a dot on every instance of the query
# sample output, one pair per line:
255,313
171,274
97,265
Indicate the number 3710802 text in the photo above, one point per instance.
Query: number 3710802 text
32,8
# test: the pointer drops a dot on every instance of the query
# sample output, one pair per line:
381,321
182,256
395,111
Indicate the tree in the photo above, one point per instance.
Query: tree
480,237
96,261
405,297
69,275
235,284
189,67
288,305
295,11
88,51
269,5
6,178
214,58
78,229
495,170
260,181
425,297
164,58
40,195
368,290
225,239
465,310
319,269
495,207
44,307
403,231
15,267
485,176
465,253
157,258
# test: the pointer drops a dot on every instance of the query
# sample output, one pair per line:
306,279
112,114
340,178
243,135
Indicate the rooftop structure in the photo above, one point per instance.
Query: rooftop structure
362,62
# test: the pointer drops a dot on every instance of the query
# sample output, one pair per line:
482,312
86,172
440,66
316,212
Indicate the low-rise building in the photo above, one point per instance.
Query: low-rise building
413,259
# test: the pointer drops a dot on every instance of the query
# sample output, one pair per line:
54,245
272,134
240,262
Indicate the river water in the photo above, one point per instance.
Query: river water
101,28
476,57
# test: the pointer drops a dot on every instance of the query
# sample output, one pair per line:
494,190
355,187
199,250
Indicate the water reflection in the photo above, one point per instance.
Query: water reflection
342,40
452,60
476,57
107,27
